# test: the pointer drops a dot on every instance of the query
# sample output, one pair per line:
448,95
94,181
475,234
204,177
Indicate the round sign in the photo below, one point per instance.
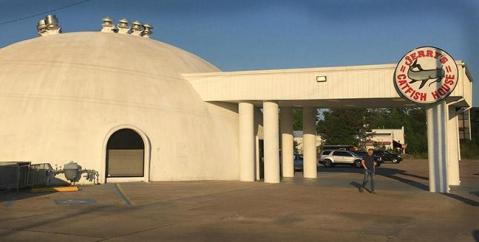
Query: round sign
426,75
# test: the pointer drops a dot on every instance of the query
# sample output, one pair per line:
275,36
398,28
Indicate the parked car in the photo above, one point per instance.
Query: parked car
298,162
331,157
363,154
386,156
324,154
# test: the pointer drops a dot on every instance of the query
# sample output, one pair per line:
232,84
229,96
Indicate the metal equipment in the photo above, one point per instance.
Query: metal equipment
14,175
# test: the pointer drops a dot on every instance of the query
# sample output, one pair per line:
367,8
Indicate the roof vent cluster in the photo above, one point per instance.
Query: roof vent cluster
48,26
137,29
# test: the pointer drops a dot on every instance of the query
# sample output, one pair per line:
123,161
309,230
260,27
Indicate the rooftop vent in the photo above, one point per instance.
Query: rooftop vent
107,25
147,31
41,27
48,26
136,28
123,26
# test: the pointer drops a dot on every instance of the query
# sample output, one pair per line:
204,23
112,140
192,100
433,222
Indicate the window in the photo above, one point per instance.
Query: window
125,154
342,153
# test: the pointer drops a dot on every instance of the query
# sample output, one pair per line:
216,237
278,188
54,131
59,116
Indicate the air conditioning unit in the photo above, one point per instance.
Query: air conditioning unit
14,175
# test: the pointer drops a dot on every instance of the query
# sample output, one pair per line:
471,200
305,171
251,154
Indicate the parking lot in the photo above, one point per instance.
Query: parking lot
329,208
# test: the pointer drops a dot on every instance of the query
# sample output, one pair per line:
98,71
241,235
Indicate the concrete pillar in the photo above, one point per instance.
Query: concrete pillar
453,145
309,143
271,142
246,141
436,116
287,143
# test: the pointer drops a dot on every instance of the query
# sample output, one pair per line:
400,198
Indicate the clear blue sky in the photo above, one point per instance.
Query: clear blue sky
265,34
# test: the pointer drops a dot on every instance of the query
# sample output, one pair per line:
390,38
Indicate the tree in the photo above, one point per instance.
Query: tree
342,126
416,131
349,126
470,148
413,120
297,119
474,114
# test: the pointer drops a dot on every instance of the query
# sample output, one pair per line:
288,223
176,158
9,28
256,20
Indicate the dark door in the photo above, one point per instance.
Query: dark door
125,154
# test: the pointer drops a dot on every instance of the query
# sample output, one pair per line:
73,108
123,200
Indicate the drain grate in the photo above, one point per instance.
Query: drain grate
75,201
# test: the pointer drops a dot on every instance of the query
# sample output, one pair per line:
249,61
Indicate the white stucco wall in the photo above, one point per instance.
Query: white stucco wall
62,95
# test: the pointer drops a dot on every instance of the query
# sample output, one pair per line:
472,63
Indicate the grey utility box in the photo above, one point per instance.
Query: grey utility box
14,175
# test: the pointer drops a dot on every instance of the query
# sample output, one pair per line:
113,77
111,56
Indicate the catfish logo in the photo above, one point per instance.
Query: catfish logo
426,75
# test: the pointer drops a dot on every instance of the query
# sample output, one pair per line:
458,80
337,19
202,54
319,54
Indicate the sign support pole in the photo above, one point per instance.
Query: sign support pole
436,116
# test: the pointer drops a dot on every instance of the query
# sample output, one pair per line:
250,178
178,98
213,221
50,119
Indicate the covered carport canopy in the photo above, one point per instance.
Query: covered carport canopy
349,86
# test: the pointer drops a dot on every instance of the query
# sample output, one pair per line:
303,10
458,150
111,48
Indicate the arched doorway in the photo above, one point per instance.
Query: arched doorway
125,154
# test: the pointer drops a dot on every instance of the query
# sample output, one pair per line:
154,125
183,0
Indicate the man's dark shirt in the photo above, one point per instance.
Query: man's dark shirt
369,162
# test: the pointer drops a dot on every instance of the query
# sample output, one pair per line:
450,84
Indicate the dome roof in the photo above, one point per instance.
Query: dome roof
107,50
65,94
106,67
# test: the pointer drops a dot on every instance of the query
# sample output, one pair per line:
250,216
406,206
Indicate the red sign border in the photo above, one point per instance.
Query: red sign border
423,103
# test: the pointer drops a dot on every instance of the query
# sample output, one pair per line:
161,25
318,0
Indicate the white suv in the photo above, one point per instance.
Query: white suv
330,157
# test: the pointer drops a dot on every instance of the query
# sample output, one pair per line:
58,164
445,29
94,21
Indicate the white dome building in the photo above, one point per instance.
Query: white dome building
114,103
135,109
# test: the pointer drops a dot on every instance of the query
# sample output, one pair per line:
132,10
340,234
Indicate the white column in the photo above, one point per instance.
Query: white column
271,142
437,147
246,141
452,145
287,149
309,143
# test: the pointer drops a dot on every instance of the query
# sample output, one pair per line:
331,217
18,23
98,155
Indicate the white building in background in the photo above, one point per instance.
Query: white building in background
385,138
136,109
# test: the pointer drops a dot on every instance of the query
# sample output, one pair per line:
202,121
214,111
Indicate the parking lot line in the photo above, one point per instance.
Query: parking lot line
119,191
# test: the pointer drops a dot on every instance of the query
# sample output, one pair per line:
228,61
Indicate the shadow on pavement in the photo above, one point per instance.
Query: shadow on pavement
57,218
395,174
355,184
8,197
11,195
359,187
462,199
398,175
475,234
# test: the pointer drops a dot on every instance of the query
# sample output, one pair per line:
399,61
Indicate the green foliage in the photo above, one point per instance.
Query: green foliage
470,148
413,120
349,126
297,119
415,130
474,112
342,126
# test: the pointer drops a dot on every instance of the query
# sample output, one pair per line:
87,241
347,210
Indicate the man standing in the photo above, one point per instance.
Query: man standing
369,169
